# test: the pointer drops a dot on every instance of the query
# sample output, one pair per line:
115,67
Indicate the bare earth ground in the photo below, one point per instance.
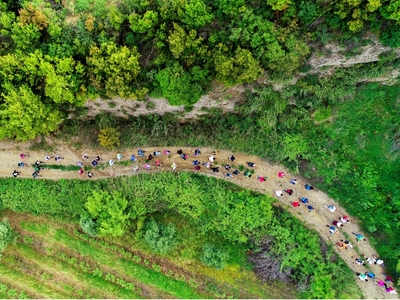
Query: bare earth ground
317,219
219,97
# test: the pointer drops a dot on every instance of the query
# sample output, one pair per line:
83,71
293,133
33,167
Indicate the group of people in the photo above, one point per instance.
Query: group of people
371,275
37,166
230,171
290,192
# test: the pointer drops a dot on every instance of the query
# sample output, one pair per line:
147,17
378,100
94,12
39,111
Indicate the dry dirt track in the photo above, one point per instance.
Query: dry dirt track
317,219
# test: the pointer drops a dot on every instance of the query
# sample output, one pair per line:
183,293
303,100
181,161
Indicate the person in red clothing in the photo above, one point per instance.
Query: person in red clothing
345,219
295,204
289,191
336,223
388,278
261,178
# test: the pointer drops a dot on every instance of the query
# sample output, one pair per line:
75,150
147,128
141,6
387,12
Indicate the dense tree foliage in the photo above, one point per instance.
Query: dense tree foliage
110,212
58,54
214,257
161,238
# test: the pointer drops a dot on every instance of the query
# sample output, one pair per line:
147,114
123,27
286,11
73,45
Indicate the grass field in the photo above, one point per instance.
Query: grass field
52,259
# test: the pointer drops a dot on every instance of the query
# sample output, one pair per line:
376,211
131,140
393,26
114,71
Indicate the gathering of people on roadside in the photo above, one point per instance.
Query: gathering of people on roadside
147,161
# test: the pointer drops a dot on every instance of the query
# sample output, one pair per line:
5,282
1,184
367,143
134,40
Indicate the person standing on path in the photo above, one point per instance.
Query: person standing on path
247,174
251,164
359,237
16,173
289,191
304,200
308,187
22,155
173,166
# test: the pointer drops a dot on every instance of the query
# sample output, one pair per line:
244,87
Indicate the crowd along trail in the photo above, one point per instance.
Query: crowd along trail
318,218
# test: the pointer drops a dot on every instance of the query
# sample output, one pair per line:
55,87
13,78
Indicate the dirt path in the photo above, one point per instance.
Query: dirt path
317,219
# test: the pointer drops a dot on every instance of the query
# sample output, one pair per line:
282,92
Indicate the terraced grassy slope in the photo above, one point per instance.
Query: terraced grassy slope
54,260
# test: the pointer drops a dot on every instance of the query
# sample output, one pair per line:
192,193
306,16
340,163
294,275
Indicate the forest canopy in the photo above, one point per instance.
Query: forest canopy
54,55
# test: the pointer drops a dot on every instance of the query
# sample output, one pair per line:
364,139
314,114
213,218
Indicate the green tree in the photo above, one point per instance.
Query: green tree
391,10
214,256
178,86
114,69
110,212
294,146
26,37
115,18
161,238
145,23
109,137
88,225
7,235
23,116
179,42
242,68
195,13
279,4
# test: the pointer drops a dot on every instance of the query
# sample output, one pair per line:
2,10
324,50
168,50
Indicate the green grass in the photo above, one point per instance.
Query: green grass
64,167
30,282
145,275
322,114
7,292
111,104
96,285
40,228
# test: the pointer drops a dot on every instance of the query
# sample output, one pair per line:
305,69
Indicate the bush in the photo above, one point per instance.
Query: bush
214,257
7,235
88,225
161,238
109,137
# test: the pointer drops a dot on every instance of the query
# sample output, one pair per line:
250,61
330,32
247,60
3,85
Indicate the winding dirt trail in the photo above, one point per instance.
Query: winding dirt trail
317,219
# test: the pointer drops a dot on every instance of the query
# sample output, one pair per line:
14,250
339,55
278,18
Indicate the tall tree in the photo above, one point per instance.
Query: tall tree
23,116
241,68
114,70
